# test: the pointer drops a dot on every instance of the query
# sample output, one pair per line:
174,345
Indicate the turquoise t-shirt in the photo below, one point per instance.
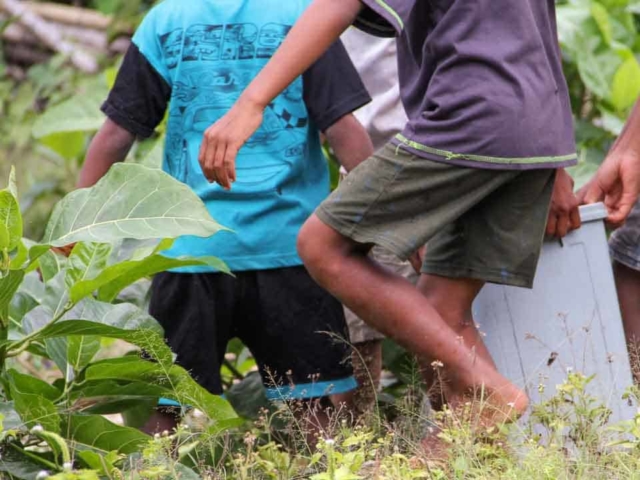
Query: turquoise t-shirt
207,52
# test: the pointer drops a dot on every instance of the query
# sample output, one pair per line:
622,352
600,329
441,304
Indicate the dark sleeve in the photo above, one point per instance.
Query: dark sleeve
384,18
332,87
140,96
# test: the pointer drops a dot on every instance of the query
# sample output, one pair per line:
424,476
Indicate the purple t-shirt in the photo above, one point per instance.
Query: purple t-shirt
481,81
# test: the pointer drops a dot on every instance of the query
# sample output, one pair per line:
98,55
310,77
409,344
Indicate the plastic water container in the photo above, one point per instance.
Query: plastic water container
570,320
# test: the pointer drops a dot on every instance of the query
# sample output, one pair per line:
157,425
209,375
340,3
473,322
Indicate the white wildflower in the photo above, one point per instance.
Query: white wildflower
37,429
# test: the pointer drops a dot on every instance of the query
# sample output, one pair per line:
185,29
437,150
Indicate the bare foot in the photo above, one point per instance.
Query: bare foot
495,399
435,449
502,406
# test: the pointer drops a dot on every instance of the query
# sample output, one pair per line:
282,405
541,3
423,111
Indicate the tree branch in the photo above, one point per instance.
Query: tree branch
49,35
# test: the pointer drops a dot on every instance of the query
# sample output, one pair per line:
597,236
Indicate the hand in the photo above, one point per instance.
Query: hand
417,258
617,182
223,140
564,215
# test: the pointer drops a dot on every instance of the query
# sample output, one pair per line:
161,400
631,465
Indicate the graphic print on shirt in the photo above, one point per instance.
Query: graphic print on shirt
212,65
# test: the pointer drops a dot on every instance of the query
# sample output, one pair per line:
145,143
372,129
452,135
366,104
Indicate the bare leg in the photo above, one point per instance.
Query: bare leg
453,299
628,286
396,308
367,368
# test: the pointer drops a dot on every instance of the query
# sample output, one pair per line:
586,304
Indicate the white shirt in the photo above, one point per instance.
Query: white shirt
376,61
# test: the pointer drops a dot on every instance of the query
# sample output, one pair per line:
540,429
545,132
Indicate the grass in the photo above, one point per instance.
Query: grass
566,437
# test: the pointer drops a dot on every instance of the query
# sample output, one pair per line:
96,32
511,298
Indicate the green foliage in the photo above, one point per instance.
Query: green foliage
63,317
600,41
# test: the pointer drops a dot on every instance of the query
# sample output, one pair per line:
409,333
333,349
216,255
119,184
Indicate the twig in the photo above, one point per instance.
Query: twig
70,15
49,35
87,37
24,54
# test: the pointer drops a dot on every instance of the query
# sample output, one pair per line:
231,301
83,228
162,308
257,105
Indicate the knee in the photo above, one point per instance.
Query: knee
308,244
318,249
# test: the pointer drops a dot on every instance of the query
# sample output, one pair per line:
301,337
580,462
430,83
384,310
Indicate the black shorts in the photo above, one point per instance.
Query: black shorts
295,329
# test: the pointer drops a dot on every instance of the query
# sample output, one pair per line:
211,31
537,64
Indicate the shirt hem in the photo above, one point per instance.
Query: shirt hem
482,161
345,107
241,264
312,390
393,25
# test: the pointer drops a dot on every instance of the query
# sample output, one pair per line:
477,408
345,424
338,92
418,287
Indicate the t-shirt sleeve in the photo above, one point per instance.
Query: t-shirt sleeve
384,18
140,96
333,88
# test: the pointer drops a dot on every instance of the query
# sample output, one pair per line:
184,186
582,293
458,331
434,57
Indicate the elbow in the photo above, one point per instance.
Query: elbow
348,137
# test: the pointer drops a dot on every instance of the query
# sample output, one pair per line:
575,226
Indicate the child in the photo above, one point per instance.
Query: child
489,132
617,183
193,59
625,252
377,63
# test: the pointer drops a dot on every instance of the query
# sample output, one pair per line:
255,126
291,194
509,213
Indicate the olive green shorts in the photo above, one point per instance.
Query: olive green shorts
476,223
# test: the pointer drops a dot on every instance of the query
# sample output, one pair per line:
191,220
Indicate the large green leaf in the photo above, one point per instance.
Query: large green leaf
597,71
69,145
97,433
179,384
134,369
186,473
30,384
9,285
572,26
81,350
601,16
78,114
15,462
121,316
155,155
10,418
34,408
112,280
118,388
248,396
11,220
626,85
149,340
28,297
12,185
51,264
131,201
86,261
103,464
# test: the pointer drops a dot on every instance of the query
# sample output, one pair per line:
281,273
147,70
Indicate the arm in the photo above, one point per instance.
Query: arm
110,145
349,141
320,25
617,181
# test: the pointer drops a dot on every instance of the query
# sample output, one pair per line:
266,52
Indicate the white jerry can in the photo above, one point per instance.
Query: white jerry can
570,320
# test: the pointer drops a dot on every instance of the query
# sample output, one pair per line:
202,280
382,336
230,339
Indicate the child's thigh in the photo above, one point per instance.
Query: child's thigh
298,335
499,240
